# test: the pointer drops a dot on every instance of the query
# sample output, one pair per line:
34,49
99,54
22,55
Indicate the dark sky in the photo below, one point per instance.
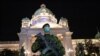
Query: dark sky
83,17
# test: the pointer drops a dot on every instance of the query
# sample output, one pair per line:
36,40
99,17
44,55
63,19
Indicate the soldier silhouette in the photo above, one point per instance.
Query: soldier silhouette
47,44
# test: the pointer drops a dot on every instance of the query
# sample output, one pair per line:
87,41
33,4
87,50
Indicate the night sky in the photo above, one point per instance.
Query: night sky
83,17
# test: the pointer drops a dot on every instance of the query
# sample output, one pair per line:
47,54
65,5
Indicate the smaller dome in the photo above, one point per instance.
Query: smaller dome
42,9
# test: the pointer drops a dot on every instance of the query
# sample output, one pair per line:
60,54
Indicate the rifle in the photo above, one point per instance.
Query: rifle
48,47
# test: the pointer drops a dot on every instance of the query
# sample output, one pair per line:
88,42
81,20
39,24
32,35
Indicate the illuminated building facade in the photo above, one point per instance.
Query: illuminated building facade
32,27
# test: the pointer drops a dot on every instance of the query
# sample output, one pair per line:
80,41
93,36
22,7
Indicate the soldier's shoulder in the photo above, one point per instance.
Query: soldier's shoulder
52,35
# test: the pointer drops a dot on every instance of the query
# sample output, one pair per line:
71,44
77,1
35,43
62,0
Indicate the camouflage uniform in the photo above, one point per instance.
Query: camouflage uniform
54,42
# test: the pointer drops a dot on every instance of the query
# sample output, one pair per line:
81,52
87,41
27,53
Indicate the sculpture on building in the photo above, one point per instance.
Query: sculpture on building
47,44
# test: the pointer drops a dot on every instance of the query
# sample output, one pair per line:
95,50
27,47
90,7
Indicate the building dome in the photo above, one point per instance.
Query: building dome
43,14
42,9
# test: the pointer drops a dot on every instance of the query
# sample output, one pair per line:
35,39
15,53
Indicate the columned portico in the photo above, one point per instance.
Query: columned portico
34,26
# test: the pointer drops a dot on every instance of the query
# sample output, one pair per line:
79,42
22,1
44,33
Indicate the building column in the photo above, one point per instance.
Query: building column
21,39
28,46
68,44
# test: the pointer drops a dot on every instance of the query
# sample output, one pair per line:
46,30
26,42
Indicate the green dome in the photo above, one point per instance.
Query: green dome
97,35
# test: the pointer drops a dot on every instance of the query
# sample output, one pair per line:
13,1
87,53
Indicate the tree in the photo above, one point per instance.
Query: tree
7,52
